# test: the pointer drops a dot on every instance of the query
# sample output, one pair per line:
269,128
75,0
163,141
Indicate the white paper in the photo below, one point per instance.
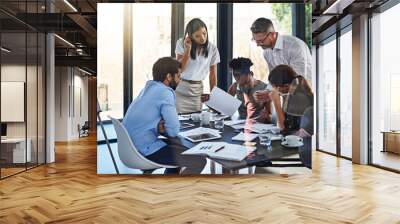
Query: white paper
239,126
262,128
233,152
245,137
235,122
184,117
222,102
229,152
276,137
197,150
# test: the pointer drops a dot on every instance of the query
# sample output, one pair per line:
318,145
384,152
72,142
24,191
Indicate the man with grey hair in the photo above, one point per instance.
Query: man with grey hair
280,49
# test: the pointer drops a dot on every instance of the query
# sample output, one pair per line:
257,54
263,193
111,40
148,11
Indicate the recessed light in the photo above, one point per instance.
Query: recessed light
64,40
70,5
5,50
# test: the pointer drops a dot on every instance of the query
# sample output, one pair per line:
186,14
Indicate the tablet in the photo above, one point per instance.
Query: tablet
202,137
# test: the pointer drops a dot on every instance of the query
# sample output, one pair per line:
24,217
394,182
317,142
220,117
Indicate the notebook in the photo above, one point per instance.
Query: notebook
214,150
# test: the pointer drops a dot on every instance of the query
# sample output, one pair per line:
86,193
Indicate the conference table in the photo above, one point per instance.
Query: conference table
274,156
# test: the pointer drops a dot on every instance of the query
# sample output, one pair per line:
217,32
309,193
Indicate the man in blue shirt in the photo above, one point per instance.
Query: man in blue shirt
153,113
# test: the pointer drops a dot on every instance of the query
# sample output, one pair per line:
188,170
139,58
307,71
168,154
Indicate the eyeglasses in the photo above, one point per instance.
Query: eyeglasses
260,41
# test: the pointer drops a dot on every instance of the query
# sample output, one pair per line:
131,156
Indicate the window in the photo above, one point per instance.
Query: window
110,69
22,77
346,94
207,12
151,40
327,96
385,83
244,14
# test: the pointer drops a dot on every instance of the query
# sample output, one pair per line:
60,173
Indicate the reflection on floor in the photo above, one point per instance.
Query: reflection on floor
386,159
10,171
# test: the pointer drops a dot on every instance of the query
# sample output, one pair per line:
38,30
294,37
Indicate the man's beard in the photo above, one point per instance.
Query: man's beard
173,85
265,47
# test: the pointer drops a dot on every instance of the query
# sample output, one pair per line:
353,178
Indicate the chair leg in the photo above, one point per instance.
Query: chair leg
148,171
251,170
212,167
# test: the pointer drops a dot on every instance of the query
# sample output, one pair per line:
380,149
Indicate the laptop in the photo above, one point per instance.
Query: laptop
3,131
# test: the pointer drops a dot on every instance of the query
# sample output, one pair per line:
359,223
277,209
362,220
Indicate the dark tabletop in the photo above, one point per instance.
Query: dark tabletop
262,153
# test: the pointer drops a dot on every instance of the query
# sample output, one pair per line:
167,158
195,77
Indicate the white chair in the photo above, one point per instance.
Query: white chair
128,153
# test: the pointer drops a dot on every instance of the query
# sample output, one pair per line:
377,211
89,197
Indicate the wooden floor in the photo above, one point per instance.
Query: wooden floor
70,191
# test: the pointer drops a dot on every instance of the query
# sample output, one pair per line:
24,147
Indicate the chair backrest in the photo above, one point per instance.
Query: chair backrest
128,153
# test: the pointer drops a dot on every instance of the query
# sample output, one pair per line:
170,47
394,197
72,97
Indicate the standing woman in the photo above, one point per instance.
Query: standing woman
199,58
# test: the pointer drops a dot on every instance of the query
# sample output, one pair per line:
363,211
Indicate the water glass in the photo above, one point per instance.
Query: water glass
265,139
219,123
205,118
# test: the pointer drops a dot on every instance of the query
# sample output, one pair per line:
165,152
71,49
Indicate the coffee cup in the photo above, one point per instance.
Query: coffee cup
205,118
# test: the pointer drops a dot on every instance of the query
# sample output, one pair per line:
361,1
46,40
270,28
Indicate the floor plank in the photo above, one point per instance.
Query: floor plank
70,191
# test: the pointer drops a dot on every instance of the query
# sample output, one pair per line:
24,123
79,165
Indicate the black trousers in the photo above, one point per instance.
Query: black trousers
171,155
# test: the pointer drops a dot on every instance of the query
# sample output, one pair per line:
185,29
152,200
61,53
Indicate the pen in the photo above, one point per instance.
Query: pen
219,149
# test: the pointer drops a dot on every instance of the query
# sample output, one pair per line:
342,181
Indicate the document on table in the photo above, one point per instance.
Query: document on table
262,128
234,122
245,137
213,150
222,102
185,117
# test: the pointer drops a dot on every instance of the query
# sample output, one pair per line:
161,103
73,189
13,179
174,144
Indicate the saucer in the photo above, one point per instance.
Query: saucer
299,144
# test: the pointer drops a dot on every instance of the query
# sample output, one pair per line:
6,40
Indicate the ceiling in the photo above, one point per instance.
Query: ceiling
329,15
76,22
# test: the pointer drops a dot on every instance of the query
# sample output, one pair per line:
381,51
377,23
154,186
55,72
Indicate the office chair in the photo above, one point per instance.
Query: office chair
128,153
84,129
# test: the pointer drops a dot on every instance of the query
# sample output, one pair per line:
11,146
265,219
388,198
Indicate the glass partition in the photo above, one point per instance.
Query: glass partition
346,94
327,96
385,89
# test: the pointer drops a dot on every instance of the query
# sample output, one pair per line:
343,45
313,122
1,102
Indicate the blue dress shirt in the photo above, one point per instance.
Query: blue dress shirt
155,102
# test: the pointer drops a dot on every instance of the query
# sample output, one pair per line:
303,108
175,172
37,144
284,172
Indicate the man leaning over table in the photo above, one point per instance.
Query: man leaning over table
280,49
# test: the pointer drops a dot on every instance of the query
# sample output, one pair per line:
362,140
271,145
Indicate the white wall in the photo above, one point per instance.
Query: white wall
69,82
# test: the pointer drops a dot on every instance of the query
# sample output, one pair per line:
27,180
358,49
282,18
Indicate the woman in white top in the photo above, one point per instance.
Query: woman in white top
199,58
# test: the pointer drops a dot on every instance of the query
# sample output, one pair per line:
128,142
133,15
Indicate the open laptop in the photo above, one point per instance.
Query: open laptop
3,131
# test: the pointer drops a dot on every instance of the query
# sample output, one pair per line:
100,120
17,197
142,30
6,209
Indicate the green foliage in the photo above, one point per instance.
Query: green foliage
283,13
309,24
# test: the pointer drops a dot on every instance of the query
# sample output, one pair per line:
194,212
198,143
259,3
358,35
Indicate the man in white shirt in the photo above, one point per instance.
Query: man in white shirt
282,49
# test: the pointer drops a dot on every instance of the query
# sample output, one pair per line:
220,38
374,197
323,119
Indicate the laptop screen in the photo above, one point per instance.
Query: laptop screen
3,129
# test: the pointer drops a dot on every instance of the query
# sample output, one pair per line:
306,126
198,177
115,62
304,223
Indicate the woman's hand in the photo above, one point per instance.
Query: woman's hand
262,96
188,43
205,97
274,94
232,89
